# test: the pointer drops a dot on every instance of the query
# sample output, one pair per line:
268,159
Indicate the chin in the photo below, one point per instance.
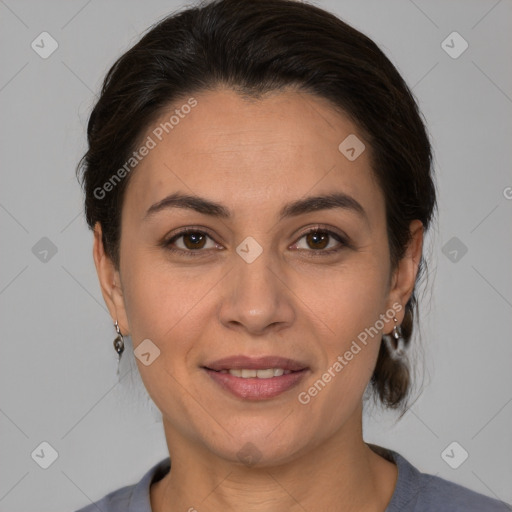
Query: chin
259,447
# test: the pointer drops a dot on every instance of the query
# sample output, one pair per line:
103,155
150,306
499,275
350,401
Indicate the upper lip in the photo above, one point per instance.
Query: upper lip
255,363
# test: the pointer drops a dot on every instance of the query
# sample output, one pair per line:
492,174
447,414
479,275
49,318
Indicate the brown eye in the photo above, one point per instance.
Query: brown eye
321,242
317,239
189,242
194,240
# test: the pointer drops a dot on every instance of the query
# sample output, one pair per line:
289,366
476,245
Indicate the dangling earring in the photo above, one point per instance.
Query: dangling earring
118,345
395,342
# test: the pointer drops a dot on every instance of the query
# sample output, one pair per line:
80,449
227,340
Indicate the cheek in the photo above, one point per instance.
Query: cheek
346,299
166,307
347,311
160,299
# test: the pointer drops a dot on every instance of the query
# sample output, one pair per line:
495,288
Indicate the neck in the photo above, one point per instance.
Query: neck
342,473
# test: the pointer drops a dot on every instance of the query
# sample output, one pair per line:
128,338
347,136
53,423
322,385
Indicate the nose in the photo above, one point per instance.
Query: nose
257,298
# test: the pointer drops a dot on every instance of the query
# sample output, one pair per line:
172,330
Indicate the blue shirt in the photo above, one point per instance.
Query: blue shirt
414,492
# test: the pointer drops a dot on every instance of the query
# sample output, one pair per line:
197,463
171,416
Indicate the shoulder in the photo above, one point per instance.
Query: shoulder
116,501
439,494
421,492
131,498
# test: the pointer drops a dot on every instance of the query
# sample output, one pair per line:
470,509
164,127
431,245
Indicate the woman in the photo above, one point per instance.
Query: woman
259,184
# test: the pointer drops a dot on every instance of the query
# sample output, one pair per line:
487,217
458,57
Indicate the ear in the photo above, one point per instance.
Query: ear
110,282
404,276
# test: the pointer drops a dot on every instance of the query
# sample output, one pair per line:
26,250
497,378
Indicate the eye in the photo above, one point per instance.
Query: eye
318,240
193,240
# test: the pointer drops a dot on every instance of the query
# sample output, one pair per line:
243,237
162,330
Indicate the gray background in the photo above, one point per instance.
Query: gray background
58,366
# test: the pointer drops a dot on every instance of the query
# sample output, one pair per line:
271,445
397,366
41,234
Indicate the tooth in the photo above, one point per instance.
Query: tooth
265,374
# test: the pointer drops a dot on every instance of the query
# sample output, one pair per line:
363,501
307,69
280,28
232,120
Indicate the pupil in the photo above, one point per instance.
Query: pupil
315,235
195,237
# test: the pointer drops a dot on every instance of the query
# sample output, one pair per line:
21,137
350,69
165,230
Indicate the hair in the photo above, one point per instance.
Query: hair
256,47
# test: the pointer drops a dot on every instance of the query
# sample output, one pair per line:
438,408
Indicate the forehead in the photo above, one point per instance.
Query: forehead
247,153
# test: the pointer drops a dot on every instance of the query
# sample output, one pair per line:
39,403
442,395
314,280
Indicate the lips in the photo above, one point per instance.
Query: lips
246,377
255,363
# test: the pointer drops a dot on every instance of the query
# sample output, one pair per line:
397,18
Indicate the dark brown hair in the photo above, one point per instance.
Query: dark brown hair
255,47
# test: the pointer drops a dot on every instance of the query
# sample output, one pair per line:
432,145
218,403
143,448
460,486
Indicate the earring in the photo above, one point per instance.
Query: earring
395,342
119,343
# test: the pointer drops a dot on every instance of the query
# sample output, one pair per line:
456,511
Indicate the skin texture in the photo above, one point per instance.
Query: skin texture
254,157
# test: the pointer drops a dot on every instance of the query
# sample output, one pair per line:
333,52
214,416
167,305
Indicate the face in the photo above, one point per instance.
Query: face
263,274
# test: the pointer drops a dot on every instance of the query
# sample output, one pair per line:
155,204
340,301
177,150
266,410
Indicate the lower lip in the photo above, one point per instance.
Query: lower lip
254,388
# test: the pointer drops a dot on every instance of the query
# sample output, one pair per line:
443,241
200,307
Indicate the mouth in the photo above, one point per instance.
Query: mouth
259,378
247,373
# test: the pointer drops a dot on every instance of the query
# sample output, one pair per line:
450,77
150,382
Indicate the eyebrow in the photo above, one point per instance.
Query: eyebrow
205,206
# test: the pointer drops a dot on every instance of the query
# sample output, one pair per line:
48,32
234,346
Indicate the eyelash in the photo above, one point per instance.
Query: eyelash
318,252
